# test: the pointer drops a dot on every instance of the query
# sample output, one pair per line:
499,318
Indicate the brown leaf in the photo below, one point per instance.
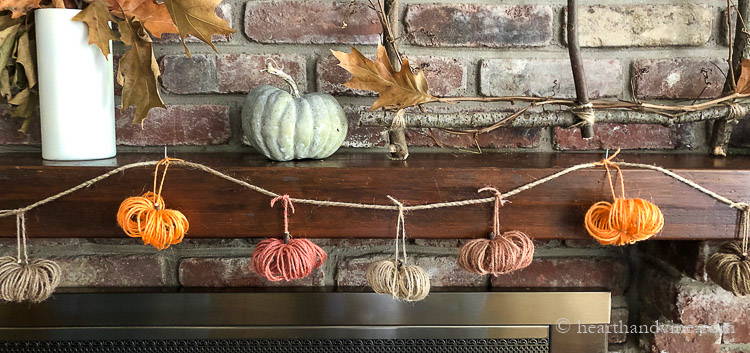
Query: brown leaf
97,17
397,89
8,33
743,83
138,72
197,18
25,57
19,8
152,15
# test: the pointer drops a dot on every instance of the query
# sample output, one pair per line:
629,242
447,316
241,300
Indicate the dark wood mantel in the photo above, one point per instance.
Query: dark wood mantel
217,208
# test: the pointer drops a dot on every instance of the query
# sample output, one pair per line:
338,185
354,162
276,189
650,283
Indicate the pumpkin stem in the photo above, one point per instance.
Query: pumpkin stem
284,76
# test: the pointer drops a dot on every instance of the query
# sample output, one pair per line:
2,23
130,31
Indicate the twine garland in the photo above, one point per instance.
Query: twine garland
148,218
287,259
500,254
24,279
596,225
624,221
396,277
729,267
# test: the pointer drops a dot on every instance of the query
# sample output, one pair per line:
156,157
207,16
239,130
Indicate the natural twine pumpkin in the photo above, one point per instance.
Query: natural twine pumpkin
624,221
148,218
502,252
396,277
287,259
729,267
24,279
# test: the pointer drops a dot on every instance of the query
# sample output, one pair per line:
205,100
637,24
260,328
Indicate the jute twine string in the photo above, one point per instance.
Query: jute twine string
624,221
396,277
585,112
23,279
327,203
502,252
287,259
736,112
148,218
729,267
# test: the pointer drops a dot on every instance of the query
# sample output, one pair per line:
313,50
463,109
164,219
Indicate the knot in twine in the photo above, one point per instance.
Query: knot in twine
148,218
287,259
585,112
737,111
624,221
729,267
502,252
396,277
24,279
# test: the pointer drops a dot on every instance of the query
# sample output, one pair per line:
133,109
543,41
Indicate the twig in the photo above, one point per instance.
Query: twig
387,11
722,129
584,109
487,121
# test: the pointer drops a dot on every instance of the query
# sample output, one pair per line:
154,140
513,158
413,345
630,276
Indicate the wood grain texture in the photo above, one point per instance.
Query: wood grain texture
217,208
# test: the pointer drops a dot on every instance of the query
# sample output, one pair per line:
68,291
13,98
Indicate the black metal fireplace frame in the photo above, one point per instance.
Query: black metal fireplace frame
118,322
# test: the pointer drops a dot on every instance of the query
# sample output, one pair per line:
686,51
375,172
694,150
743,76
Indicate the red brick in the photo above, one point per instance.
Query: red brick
678,78
184,75
618,321
498,138
601,272
176,125
291,21
645,25
359,136
741,134
445,76
736,332
9,134
112,271
688,257
239,73
690,302
115,67
625,136
224,11
443,271
233,272
475,25
682,339
548,77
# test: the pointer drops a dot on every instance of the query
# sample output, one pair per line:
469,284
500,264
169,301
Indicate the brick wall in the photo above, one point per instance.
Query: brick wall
633,49
663,50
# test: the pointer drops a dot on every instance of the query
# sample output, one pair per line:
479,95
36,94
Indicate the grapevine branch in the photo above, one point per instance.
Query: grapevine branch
726,110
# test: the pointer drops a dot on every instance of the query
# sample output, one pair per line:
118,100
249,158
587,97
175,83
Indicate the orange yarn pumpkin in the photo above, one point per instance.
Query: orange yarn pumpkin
147,217
624,221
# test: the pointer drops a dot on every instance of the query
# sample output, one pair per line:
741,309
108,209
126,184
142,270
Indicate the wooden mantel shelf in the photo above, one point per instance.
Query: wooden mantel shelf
217,208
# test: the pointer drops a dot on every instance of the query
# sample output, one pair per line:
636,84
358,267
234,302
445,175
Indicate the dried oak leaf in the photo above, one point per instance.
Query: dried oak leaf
25,58
743,83
97,17
153,16
396,89
138,72
197,18
19,8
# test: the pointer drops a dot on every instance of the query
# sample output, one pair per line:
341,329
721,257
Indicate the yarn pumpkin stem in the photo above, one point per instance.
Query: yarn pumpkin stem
607,162
21,238
286,202
499,202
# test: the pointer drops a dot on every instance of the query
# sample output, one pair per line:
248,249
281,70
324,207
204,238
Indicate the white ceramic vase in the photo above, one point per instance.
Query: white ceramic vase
76,90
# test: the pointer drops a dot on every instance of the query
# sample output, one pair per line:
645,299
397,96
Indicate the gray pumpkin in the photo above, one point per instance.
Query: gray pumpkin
286,126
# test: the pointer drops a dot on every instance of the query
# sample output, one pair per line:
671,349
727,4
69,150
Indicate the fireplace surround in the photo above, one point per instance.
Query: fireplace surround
522,322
